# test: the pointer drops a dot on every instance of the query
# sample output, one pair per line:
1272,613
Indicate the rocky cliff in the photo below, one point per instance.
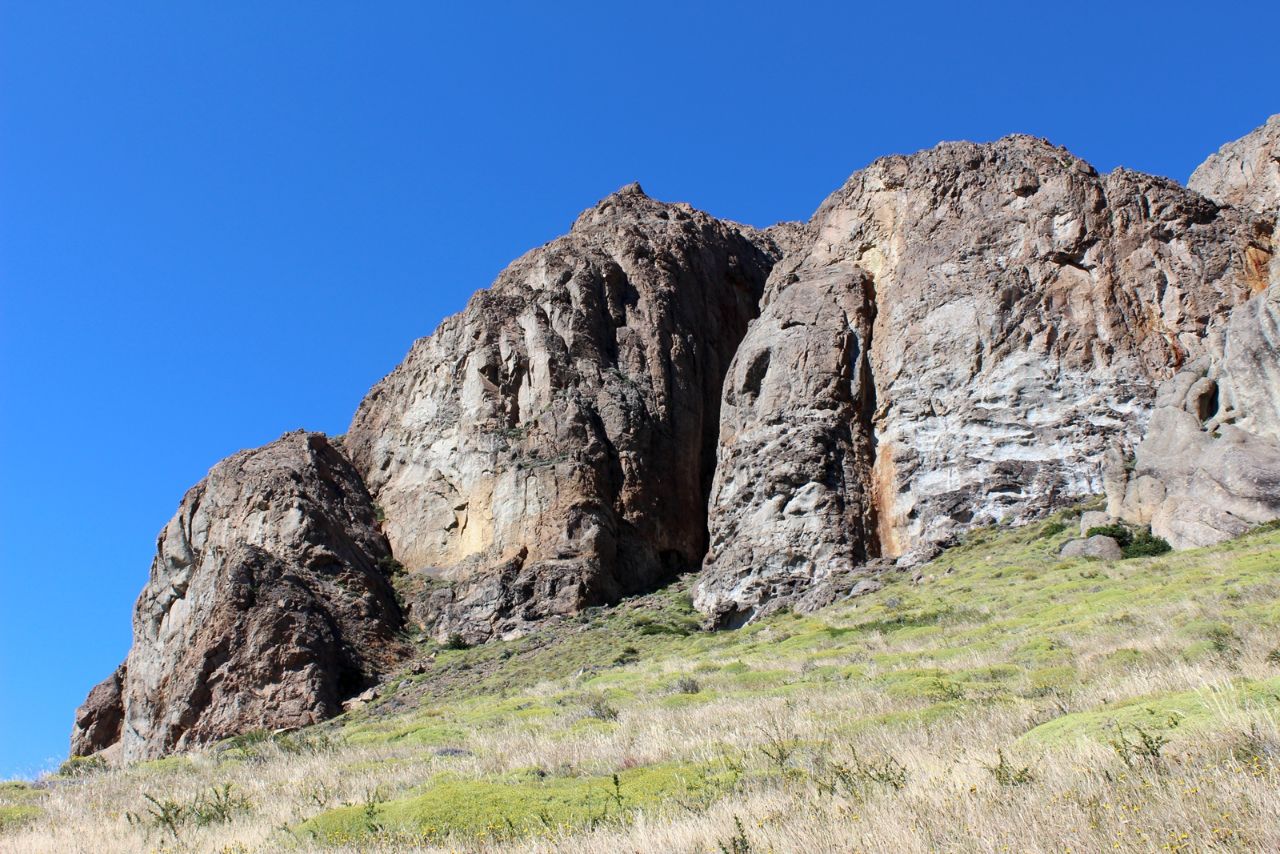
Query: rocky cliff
268,604
962,337
972,334
552,446
1209,465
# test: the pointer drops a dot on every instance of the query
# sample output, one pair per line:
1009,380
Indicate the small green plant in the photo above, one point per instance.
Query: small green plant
597,706
885,772
1008,774
779,745
686,685
219,806
738,842
1144,748
1053,529
82,766
165,814
947,690
390,567
372,798
456,641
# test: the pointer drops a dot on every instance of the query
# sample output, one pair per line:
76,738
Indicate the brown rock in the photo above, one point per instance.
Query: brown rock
99,718
552,446
1209,466
266,607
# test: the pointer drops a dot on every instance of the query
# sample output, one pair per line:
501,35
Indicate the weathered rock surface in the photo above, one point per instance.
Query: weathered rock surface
1244,173
552,446
1093,519
1209,466
99,718
1097,546
267,606
964,333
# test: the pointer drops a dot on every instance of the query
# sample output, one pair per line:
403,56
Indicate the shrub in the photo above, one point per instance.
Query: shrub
390,567
82,766
686,685
1053,529
1008,774
1120,533
739,842
597,706
456,641
1144,544
1144,748
1133,542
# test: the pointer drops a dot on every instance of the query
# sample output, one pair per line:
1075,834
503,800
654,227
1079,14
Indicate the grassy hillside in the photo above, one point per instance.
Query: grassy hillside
1007,701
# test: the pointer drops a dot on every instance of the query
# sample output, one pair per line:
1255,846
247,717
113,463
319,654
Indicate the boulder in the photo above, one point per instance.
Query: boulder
1097,546
99,718
1090,519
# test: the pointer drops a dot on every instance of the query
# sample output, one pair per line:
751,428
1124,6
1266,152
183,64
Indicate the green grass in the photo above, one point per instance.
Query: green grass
517,805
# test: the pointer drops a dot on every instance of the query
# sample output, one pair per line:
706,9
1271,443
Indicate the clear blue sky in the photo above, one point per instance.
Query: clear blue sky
222,221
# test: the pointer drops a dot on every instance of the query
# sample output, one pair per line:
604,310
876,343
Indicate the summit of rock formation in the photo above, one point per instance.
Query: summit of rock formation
268,605
553,445
966,332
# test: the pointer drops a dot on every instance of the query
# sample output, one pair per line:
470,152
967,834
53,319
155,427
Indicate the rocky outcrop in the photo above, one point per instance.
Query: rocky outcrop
552,446
268,605
1209,466
1244,173
965,332
99,718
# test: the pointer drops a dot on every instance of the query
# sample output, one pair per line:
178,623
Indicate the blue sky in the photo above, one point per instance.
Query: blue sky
222,221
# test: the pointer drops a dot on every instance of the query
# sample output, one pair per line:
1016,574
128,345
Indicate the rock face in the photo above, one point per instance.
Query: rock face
1244,173
552,446
267,606
965,332
99,718
1209,466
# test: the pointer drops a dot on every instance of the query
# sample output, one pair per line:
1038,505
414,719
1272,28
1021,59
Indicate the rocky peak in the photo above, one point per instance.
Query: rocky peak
1208,467
553,445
